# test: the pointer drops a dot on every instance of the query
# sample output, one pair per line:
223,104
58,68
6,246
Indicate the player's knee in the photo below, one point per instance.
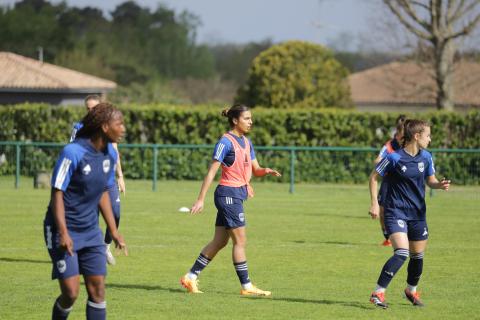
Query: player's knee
416,255
69,296
401,254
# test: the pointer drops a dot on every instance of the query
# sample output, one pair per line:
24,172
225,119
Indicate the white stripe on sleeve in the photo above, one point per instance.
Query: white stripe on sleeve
220,148
381,167
62,173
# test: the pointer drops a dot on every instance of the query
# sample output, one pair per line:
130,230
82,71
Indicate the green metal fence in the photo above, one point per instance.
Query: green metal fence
190,162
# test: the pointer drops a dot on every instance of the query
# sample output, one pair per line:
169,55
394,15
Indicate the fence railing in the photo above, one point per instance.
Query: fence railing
190,162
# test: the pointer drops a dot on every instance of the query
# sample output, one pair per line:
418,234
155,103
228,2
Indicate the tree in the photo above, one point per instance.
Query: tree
296,73
438,23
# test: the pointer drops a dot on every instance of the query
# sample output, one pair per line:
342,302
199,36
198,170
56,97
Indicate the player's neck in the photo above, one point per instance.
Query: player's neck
412,149
237,133
99,143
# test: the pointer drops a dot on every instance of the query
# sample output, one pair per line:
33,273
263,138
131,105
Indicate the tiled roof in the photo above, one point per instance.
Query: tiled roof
19,72
413,83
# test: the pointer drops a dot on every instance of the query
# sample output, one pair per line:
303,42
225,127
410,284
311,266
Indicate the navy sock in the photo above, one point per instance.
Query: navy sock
415,268
199,264
96,311
385,234
392,266
108,237
242,272
60,313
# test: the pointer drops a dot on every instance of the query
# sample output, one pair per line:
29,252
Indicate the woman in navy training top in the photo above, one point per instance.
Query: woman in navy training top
405,209
72,234
235,155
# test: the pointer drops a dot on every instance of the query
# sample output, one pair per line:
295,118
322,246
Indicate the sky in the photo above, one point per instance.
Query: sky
241,21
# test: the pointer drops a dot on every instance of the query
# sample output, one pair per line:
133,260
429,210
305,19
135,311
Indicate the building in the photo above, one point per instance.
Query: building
24,79
410,87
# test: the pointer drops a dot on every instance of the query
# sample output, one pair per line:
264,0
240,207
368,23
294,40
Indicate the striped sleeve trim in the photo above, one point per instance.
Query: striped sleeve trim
62,173
220,148
383,164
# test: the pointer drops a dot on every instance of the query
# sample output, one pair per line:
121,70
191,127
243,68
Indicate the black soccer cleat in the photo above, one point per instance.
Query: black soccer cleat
414,298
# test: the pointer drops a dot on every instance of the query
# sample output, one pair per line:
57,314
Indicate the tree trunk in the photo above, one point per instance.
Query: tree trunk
444,56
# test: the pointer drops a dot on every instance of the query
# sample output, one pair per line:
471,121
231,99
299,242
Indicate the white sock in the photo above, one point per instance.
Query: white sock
192,276
379,289
247,286
412,289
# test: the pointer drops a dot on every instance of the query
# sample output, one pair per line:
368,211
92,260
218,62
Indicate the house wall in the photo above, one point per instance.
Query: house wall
72,99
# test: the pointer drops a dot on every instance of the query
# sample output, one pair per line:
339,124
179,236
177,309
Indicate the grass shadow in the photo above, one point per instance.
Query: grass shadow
353,304
320,215
23,260
143,287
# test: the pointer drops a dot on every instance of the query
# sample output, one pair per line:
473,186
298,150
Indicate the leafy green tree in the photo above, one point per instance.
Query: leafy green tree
296,73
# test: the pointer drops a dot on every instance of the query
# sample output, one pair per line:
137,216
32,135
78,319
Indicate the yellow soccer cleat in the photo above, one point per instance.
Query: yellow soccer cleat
190,284
254,291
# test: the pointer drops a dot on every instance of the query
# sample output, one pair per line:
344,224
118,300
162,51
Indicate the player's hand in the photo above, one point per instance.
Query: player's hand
120,243
197,207
445,184
374,211
121,185
272,172
66,243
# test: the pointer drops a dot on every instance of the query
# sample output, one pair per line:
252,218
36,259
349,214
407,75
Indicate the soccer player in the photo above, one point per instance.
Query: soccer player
115,184
406,171
389,147
234,153
72,234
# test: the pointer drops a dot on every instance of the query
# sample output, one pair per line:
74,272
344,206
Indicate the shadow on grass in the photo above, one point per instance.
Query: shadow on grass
2,259
320,215
353,304
142,287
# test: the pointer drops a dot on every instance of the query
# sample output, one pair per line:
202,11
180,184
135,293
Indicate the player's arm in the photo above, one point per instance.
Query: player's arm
65,242
120,180
107,214
261,172
207,181
433,183
373,185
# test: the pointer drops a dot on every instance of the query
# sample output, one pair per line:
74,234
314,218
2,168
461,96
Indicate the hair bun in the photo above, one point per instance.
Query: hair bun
225,112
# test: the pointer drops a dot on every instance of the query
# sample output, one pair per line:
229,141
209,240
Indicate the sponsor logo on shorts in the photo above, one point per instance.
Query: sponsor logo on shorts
401,223
86,170
241,216
425,232
61,266
421,166
106,165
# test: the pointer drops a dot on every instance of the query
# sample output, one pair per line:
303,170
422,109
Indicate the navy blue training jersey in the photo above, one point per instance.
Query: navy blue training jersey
111,150
405,196
82,173
225,153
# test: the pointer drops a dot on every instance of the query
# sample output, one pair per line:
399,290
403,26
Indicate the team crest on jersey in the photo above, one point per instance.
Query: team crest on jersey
241,216
401,223
421,166
86,170
106,165
404,168
61,266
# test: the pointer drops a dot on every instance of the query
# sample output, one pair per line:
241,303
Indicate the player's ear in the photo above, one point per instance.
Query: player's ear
105,127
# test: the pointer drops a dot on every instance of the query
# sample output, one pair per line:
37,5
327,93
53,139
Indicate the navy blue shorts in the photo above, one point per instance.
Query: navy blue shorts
416,230
89,261
115,200
230,212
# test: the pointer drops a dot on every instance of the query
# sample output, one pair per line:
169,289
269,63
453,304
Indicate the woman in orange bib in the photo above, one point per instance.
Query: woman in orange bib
235,155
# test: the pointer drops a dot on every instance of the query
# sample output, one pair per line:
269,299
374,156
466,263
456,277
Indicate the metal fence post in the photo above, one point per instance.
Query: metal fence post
155,167
17,165
292,170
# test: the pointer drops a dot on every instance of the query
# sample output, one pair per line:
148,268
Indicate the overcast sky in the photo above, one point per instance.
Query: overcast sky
240,21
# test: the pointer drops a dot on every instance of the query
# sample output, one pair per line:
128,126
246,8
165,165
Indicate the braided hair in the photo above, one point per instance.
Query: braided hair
103,113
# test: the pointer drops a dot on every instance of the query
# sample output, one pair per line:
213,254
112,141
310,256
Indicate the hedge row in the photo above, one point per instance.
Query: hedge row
204,125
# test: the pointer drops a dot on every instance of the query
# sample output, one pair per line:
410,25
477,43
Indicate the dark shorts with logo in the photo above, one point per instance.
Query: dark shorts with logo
416,230
230,212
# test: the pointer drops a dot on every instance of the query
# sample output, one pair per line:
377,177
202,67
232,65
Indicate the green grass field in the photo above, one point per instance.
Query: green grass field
317,251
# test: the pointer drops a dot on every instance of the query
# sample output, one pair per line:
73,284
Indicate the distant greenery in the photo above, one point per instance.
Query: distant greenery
296,74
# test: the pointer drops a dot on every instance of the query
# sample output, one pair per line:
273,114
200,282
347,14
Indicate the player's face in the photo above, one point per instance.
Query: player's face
115,129
244,123
90,104
424,138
